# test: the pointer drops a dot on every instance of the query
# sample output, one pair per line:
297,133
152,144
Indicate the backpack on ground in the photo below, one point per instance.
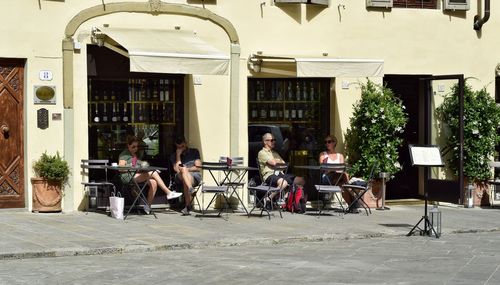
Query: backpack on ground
296,201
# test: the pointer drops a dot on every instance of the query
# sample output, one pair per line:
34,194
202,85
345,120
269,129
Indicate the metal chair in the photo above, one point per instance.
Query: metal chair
330,187
218,190
264,190
358,189
97,200
234,179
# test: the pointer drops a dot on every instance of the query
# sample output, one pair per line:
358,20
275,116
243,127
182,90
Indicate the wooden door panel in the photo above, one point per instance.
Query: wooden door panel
11,134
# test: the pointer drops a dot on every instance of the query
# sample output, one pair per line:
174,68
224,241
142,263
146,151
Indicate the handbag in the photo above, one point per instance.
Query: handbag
116,206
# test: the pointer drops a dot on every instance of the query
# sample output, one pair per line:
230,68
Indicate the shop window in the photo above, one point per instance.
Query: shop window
422,4
122,103
296,108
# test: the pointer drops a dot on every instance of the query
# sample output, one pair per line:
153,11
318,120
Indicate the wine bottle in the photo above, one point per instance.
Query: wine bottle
113,95
164,113
254,113
287,114
293,112
297,91
311,92
139,113
104,113
130,89
96,114
125,112
162,91
104,94
300,112
304,91
115,117
289,91
272,112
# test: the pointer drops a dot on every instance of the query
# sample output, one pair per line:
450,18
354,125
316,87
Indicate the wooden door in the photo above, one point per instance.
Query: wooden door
11,133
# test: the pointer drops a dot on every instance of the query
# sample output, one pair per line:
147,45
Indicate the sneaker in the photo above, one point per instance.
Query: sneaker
191,190
173,195
185,212
147,209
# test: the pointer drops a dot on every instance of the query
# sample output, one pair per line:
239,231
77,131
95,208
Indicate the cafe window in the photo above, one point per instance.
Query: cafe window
421,4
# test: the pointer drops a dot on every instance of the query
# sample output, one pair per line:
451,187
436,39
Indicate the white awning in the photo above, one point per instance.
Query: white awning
167,51
317,67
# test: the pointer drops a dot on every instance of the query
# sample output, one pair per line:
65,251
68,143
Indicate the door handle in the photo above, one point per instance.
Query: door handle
5,129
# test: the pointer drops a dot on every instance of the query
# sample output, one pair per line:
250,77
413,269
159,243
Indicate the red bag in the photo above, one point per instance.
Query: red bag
296,201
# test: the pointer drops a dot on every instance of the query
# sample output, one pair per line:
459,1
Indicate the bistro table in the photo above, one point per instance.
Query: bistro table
232,177
133,170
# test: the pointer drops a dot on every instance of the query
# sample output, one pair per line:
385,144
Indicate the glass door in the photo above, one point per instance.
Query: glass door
441,183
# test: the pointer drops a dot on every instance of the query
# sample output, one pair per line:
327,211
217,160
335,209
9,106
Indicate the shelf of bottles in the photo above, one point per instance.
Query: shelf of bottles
148,107
287,100
136,100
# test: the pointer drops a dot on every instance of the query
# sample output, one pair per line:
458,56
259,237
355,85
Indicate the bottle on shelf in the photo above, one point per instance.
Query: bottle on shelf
254,112
286,113
125,112
114,118
304,91
312,94
297,91
113,93
272,112
300,112
263,113
104,113
289,92
155,90
293,112
140,116
162,90
96,118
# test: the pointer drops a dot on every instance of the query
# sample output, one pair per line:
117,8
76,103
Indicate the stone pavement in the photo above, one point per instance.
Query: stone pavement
29,235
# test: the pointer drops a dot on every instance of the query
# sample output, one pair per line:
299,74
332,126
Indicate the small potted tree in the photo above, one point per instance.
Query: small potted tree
377,122
51,172
481,121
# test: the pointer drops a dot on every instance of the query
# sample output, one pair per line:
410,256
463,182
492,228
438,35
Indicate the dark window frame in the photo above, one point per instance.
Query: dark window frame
420,4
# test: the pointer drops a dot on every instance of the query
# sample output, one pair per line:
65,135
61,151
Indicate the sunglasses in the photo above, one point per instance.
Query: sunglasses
271,140
330,141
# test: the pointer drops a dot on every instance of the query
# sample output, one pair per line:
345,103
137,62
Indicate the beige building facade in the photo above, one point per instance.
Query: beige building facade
344,42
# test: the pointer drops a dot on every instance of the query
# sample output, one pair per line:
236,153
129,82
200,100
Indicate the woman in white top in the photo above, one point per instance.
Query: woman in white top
331,156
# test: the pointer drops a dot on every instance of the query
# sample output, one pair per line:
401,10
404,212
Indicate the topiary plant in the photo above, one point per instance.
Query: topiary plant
52,167
374,133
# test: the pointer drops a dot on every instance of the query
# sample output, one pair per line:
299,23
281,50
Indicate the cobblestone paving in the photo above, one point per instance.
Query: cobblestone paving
467,258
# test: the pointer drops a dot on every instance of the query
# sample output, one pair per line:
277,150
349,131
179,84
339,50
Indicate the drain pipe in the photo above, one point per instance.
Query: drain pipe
478,23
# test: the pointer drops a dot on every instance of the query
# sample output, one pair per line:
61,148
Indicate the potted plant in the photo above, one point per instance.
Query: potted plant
51,172
481,121
377,122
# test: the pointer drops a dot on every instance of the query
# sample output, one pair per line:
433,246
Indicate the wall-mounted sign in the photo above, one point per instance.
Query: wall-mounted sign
45,75
45,95
56,116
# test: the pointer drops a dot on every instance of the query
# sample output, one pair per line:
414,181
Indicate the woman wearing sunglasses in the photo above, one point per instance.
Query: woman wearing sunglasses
331,156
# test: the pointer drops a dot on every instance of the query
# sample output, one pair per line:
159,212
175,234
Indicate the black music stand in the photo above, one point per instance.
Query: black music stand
426,156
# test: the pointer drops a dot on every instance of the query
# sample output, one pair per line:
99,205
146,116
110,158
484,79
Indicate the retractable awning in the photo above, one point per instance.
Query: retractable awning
316,67
165,51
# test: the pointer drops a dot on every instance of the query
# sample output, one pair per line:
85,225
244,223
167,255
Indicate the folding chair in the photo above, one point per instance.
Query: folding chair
331,187
97,200
180,188
263,191
234,179
218,190
358,190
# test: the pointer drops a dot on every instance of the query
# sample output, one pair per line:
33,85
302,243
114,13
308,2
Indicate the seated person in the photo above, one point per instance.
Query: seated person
187,166
129,157
331,156
267,158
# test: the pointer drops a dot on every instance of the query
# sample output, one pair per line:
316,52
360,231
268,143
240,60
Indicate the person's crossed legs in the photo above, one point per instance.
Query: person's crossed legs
189,180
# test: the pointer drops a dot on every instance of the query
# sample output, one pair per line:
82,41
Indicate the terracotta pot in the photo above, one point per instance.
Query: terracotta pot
373,197
47,195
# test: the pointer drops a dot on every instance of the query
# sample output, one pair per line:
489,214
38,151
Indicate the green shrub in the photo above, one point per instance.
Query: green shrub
374,133
481,120
52,167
